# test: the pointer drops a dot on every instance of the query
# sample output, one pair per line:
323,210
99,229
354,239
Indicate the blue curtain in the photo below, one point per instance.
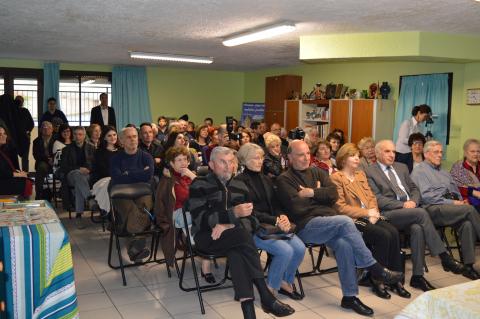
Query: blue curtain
130,95
431,89
51,83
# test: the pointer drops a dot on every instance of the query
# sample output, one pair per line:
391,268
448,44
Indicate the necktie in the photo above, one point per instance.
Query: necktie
401,195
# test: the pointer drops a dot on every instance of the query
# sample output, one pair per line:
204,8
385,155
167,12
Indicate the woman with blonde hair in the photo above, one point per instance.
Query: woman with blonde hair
466,172
274,163
356,200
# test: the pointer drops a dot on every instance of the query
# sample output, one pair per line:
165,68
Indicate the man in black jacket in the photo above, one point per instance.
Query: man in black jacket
308,194
43,154
76,166
25,126
217,204
103,114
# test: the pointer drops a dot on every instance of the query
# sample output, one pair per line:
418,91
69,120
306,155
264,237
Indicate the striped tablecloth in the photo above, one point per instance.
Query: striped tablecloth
39,272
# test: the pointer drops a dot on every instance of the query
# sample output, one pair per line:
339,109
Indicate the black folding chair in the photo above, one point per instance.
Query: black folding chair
316,270
131,192
443,230
191,252
297,274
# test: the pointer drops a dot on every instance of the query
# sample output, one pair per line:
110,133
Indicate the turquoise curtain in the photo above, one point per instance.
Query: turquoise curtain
51,83
130,95
431,89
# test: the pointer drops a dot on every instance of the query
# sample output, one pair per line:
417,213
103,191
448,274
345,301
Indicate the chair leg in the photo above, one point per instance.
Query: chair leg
300,285
457,241
119,251
321,253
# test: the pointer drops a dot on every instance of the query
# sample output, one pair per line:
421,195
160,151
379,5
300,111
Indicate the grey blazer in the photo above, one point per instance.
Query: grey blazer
383,189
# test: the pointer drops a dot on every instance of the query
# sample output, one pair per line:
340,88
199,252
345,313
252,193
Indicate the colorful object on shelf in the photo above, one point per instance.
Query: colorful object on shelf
372,91
385,90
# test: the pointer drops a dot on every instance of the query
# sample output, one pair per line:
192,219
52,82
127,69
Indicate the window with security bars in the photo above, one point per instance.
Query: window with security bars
80,92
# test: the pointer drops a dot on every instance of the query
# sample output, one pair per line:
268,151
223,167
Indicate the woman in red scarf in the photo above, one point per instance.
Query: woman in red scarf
466,173
12,180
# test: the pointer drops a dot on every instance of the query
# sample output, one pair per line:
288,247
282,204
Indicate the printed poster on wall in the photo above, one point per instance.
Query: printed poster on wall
252,112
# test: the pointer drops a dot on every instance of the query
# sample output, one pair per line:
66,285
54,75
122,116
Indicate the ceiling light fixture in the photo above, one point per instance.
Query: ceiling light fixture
170,57
259,34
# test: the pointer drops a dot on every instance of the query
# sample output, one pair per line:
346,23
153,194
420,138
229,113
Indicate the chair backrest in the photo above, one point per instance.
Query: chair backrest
130,191
202,170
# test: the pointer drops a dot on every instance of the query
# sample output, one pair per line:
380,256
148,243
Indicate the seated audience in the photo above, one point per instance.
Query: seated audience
259,128
171,195
93,132
466,173
177,139
276,129
202,139
129,166
219,138
191,131
335,142
340,134
287,254
146,144
246,137
322,158
109,146
367,152
311,137
64,139
155,132
53,114
217,230
208,121
415,157
356,200
43,154
274,163
162,128
398,199
420,114
443,201
308,194
12,180
76,165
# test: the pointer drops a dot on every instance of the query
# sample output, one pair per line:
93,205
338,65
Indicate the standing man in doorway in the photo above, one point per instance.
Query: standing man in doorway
103,114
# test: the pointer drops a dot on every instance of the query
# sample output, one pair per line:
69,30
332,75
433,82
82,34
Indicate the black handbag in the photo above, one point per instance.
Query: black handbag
269,231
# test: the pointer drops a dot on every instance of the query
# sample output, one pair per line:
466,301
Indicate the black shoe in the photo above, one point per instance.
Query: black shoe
248,309
292,295
209,277
470,273
364,279
450,264
388,277
420,282
379,289
400,290
356,305
278,309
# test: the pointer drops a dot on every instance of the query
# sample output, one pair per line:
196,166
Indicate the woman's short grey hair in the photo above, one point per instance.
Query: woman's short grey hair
247,151
220,150
121,134
429,145
364,141
469,142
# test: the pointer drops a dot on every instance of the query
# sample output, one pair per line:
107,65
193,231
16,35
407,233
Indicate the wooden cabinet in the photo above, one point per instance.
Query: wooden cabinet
277,90
357,118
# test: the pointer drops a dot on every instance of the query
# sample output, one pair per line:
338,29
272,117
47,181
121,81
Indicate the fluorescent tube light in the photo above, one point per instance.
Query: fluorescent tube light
259,34
170,57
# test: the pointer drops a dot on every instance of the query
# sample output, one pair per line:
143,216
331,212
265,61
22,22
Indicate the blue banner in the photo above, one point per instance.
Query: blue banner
252,112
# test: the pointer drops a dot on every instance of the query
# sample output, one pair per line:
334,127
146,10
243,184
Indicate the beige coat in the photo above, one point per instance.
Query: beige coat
351,195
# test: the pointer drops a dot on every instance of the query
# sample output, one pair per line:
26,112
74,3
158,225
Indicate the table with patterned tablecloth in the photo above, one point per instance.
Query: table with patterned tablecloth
38,272
458,301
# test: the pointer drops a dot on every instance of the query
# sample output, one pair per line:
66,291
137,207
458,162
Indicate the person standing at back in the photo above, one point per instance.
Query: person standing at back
103,114
25,125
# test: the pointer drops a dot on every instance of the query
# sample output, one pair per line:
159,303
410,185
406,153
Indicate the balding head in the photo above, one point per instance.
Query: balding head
299,155
385,152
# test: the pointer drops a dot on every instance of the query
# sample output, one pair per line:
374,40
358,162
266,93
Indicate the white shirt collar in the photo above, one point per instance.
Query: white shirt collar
414,121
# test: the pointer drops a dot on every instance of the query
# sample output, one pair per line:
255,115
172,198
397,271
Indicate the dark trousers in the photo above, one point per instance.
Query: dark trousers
42,169
25,161
243,259
383,240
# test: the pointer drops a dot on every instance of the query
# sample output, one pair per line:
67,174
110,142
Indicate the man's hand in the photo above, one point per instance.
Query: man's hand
18,173
459,202
146,168
243,210
373,219
218,230
283,223
157,160
305,192
409,204
476,193
84,170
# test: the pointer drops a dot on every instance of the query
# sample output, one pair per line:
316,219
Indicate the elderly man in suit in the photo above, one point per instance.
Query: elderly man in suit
443,201
398,200
103,114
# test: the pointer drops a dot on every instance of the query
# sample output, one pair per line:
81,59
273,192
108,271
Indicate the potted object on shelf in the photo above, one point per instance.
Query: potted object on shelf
372,90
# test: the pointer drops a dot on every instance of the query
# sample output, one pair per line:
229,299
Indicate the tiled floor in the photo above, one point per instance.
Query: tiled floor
150,293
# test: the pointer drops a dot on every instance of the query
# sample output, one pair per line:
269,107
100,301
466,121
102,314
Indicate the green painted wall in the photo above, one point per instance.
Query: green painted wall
470,113
199,93
360,75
